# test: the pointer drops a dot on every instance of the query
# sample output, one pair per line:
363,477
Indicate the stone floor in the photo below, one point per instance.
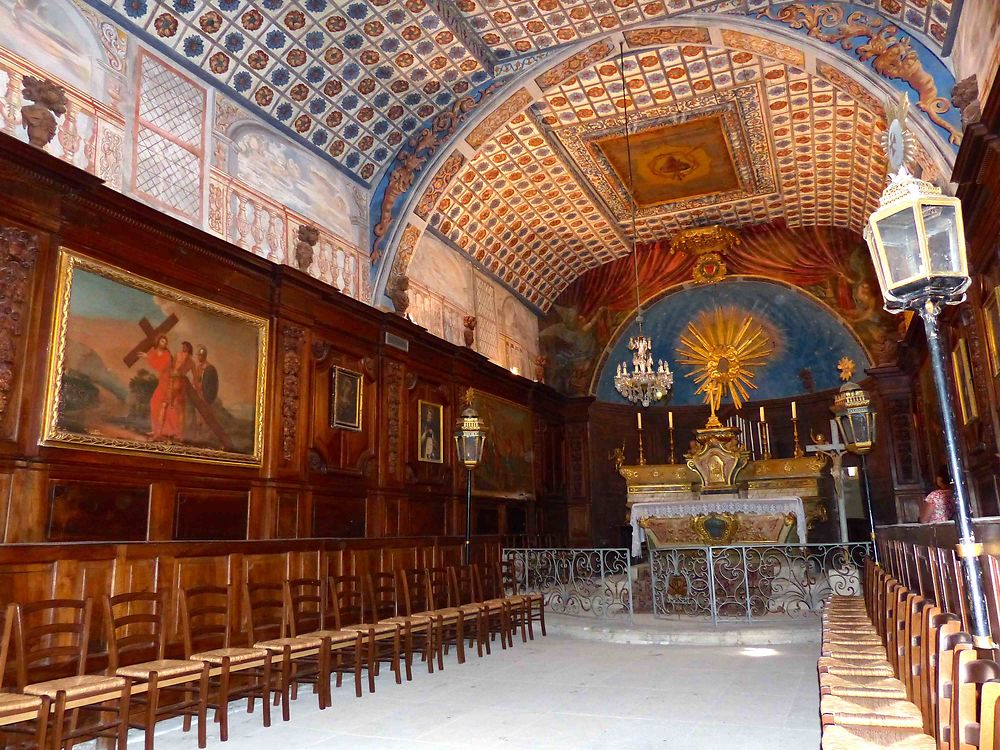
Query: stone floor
559,692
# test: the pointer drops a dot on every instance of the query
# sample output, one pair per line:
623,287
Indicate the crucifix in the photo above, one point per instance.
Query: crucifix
834,450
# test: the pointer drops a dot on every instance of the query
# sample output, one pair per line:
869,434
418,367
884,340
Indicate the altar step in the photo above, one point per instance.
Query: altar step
687,631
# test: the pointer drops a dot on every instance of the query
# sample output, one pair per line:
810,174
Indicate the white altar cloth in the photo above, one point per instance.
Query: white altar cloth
732,505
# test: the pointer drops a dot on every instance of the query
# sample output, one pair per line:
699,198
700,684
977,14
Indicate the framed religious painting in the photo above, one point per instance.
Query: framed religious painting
507,468
962,372
430,440
991,311
138,366
345,398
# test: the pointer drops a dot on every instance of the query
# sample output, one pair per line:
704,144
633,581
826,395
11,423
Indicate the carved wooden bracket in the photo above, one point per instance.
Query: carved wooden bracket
369,366
320,351
411,381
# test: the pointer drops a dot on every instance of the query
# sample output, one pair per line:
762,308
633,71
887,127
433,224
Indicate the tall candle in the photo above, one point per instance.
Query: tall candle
762,414
794,414
638,418
670,419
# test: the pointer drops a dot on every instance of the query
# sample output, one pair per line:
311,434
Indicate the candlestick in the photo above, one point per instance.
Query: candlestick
767,441
642,454
673,458
794,415
795,438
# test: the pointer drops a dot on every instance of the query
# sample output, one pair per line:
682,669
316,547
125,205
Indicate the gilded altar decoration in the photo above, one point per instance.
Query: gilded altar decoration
708,245
724,350
138,366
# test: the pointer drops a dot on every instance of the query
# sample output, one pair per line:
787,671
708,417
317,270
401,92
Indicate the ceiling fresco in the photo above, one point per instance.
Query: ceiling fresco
535,203
354,79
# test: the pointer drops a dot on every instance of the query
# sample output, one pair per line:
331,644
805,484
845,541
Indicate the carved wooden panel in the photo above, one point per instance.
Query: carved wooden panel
205,514
291,367
338,516
85,511
18,252
424,517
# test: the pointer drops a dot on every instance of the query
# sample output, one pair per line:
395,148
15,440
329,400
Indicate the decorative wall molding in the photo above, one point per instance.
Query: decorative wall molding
292,338
18,251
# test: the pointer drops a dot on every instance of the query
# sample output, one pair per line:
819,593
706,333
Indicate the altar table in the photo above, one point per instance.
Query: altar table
733,505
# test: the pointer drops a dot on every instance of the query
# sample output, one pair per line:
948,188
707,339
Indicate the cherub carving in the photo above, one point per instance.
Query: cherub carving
470,330
304,248
397,292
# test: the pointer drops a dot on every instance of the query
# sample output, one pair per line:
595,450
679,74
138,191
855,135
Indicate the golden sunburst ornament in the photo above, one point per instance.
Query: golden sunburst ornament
723,349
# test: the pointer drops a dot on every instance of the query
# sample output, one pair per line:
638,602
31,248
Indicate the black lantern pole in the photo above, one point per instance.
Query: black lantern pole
917,242
470,438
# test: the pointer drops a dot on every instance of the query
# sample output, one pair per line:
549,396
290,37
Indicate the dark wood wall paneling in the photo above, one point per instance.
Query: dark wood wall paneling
315,481
977,171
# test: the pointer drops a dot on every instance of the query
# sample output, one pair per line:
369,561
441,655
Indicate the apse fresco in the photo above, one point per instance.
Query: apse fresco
830,264
806,340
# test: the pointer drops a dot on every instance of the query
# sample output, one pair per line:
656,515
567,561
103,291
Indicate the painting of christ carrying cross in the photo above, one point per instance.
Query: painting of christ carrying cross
139,366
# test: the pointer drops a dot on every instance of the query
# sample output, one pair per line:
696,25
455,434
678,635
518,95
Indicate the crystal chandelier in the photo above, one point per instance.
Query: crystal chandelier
646,383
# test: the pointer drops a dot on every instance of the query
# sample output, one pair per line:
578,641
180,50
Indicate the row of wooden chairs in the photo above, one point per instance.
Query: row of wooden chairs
299,631
898,672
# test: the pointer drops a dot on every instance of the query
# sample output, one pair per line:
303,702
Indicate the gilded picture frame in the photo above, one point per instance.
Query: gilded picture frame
346,394
430,432
962,372
991,315
139,367
508,466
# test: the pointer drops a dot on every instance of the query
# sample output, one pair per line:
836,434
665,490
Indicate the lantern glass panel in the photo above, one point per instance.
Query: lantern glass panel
860,432
943,244
901,247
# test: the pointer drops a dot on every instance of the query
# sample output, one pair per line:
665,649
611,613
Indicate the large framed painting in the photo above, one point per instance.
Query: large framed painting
962,372
507,468
992,314
429,446
345,399
138,366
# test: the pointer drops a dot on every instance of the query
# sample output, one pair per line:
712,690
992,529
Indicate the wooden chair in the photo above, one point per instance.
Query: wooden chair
303,658
20,714
950,644
489,583
51,647
137,645
206,617
463,596
382,640
306,613
533,601
989,717
449,619
383,604
413,584
971,673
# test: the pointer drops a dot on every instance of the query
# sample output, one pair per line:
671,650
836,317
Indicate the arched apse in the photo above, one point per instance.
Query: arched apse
808,339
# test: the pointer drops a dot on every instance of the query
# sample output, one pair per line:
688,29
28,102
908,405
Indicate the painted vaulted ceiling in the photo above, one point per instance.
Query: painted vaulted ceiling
497,124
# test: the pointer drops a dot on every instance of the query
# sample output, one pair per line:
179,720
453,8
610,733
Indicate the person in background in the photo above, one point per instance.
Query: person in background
939,505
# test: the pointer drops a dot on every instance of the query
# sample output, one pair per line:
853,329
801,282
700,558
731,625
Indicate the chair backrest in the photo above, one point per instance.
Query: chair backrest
347,600
133,624
305,605
508,577
264,604
463,584
6,640
413,582
50,638
487,579
970,673
989,717
950,642
381,596
206,617
438,587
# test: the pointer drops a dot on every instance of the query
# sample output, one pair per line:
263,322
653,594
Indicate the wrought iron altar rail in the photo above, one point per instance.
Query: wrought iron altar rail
754,581
589,582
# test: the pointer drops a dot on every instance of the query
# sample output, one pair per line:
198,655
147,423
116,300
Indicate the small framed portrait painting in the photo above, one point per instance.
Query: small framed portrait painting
345,399
429,440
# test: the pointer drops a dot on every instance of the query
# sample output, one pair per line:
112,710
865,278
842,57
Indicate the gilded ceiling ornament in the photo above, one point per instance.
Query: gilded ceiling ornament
724,349
846,366
708,245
